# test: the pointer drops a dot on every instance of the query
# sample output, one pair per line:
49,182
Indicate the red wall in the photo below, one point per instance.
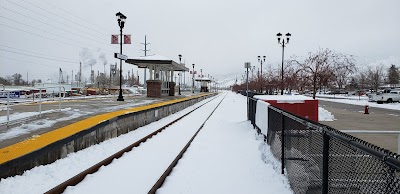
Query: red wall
307,109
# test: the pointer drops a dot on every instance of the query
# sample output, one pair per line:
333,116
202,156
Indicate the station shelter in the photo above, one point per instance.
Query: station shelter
160,82
204,81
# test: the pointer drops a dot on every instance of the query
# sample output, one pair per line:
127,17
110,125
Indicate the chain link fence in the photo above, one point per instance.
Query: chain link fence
321,159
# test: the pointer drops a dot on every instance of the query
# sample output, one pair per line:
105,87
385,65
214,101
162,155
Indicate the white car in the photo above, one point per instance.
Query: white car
393,96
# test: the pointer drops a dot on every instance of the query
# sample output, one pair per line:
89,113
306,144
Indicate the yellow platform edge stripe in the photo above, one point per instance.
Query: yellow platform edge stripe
35,143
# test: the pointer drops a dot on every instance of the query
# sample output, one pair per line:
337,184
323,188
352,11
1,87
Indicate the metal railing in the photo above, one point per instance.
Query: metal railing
320,159
8,122
59,98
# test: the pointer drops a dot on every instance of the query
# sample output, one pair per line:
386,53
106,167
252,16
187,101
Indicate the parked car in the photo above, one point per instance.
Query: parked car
392,96
374,97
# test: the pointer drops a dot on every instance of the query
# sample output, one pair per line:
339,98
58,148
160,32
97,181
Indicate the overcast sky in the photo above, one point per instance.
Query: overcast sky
218,36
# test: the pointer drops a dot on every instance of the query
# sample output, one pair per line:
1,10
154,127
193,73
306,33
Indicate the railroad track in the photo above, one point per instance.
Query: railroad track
79,177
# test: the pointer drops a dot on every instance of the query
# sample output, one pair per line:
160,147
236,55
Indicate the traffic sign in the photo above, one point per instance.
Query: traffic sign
120,56
247,65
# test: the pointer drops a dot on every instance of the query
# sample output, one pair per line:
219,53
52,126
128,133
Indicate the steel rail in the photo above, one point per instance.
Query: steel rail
79,177
168,171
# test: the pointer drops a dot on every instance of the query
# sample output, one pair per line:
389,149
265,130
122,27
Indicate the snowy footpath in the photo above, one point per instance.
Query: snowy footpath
227,156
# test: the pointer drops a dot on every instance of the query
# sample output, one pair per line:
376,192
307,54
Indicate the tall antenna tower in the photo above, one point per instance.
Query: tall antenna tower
61,77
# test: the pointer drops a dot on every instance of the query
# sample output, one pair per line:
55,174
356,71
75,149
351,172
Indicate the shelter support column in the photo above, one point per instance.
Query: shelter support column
151,72
172,85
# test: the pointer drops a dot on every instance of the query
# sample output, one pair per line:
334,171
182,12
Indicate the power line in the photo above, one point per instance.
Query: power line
30,62
45,37
45,24
46,17
78,34
47,31
58,15
4,50
34,52
81,18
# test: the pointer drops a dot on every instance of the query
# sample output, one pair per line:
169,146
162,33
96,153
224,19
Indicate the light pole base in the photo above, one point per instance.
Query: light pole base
120,98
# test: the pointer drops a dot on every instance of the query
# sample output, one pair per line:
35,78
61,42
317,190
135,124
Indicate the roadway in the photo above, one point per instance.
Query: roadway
352,117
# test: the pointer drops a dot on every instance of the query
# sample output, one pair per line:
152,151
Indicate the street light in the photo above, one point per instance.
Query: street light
261,60
121,22
179,74
193,79
279,35
247,66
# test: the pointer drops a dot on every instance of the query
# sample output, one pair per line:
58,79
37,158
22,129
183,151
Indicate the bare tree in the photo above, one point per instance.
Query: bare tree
375,76
17,79
316,67
4,81
362,78
291,78
344,66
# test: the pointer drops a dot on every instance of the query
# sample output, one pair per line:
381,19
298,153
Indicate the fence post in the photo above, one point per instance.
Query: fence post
8,108
248,108
283,144
325,163
40,103
398,143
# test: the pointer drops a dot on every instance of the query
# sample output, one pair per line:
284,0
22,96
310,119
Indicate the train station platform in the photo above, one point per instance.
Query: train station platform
54,126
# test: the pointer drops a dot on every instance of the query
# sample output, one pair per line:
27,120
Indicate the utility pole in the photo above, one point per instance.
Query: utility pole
145,54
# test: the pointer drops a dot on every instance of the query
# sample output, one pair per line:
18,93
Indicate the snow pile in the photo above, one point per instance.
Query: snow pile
262,116
324,115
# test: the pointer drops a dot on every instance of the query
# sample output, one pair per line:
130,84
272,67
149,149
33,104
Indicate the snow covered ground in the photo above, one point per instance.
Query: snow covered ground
226,157
363,100
193,170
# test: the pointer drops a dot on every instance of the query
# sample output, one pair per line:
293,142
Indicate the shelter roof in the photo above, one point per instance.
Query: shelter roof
163,62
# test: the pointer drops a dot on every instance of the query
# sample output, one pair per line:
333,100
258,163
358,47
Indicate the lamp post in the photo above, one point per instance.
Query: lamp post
193,79
179,74
261,60
121,22
279,35
247,66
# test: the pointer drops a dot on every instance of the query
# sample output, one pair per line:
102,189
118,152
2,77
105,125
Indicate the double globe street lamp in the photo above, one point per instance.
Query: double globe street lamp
193,79
283,43
261,61
121,23
180,74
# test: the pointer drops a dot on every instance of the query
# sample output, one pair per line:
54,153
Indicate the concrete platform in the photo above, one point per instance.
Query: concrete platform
87,107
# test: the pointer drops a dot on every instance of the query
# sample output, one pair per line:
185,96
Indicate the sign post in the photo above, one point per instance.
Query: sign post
247,65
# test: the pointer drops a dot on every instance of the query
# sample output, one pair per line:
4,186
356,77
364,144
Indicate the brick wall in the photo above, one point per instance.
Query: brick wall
153,88
172,88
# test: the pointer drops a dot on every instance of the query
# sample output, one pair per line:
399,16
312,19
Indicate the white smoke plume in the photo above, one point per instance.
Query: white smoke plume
87,57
